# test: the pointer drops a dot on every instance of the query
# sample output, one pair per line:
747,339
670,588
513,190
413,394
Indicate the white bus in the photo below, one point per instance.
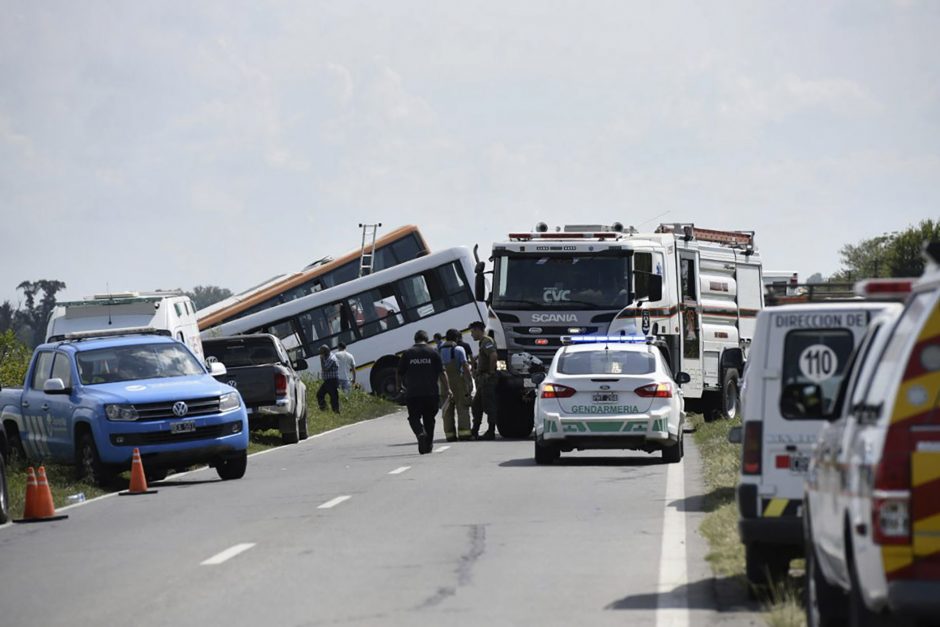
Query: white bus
376,316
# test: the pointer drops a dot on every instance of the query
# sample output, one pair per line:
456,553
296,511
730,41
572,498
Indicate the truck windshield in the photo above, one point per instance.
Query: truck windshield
561,282
130,363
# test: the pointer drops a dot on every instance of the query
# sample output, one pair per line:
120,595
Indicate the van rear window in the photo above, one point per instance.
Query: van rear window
814,356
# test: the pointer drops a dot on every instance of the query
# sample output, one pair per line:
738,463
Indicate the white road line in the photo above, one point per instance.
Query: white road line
227,554
672,604
441,449
334,502
400,470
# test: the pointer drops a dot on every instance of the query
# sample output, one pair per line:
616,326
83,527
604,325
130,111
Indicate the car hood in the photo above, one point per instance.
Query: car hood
156,390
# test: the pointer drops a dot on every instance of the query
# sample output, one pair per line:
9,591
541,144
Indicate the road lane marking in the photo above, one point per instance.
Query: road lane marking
441,449
227,554
672,600
400,470
334,502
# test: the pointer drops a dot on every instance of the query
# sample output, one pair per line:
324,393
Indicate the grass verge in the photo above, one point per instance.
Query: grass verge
355,407
721,463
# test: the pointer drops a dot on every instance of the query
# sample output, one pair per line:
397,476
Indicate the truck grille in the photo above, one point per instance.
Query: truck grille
165,437
164,410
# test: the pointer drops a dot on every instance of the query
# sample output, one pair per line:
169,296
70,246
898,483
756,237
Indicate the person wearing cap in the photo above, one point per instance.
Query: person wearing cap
485,373
458,377
422,375
329,370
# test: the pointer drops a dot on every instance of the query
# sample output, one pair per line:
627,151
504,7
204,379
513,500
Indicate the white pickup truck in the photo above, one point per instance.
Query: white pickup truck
871,513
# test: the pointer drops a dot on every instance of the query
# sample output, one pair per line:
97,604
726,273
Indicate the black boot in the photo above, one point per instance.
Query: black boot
475,430
490,433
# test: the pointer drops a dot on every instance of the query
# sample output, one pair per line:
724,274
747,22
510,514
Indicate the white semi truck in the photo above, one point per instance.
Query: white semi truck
698,290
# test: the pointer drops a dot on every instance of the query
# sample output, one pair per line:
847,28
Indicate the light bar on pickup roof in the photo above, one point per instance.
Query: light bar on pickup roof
605,339
884,289
87,335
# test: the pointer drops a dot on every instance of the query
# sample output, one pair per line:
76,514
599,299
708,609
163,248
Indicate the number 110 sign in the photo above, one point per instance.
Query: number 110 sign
818,362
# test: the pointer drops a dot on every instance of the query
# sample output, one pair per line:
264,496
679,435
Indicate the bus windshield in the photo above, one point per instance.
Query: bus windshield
561,282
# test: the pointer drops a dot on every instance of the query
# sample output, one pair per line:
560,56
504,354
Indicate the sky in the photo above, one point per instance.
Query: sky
148,145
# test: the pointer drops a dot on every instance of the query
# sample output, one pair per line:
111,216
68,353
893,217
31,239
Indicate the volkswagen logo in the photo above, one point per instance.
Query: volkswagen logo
180,409
605,387
233,383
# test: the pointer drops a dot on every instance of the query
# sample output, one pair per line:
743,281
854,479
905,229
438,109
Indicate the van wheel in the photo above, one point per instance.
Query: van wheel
4,492
765,565
824,602
859,613
88,464
233,467
730,394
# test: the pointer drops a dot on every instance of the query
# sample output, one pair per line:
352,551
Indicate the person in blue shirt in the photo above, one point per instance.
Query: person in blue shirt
457,368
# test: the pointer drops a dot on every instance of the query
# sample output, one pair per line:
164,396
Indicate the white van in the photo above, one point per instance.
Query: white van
172,311
794,346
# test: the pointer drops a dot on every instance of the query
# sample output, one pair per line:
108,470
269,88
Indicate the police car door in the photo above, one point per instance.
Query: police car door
690,319
807,348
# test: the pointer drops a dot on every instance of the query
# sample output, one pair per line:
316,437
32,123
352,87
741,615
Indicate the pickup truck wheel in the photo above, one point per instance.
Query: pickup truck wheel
302,425
730,394
155,474
17,458
88,463
4,493
765,565
291,437
233,467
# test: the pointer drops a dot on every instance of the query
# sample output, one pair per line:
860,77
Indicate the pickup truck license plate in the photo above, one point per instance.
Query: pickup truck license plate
605,397
187,426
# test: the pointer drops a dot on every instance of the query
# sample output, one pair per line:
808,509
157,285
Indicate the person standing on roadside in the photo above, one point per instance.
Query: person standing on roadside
329,370
347,368
485,398
421,373
460,385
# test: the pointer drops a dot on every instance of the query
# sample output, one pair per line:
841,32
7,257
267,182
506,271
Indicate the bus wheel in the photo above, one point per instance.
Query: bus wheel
385,385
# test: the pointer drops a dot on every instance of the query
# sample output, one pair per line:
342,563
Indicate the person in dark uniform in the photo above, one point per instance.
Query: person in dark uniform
421,373
485,374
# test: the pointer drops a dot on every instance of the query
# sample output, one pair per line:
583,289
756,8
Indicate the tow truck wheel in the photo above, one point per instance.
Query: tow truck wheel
514,418
4,493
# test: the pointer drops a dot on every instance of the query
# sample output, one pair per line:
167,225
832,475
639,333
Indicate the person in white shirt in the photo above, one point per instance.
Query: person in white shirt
347,368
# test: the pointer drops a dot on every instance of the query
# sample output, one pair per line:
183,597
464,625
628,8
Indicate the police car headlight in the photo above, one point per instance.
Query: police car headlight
120,412
230,401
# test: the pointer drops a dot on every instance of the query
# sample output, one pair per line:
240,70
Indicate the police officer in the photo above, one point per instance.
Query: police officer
458,376
421,373
485,398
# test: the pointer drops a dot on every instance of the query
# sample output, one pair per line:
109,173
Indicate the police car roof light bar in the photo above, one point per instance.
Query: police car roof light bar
87,335
604,339
884,288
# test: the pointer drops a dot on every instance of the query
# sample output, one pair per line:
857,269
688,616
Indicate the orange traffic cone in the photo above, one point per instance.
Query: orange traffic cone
39,506
138,478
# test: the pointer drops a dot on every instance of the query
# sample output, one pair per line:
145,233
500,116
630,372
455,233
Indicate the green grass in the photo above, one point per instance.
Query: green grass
358,406
721,466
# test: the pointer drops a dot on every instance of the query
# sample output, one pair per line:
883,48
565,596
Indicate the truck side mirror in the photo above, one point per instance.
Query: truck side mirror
654,287
479,286
300,364
734,435
55,386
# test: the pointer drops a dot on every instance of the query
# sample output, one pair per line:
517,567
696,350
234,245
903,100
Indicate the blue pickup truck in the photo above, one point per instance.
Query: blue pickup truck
90,399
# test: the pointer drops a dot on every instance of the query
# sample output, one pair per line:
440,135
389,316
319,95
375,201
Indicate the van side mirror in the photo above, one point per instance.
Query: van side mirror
55,386
683,378
735,435
300,364
802,400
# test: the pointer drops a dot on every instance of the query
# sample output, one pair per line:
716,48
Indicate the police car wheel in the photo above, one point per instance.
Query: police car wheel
4,493
17,456
156,474
89,466
545,453
673,454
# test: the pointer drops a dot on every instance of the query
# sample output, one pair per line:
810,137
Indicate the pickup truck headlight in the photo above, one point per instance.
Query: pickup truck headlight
120,412
230,401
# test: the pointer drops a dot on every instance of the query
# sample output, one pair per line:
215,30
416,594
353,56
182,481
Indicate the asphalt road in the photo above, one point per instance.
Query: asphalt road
354,527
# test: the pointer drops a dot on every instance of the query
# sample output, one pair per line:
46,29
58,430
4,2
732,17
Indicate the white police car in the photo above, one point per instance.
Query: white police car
609,393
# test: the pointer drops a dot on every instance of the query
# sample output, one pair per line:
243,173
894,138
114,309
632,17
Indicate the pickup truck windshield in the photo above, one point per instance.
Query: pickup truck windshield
561,282
141,361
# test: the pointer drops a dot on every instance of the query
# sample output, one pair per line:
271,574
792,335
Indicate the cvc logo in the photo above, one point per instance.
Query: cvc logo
555,294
